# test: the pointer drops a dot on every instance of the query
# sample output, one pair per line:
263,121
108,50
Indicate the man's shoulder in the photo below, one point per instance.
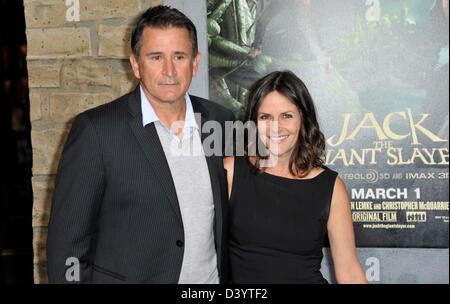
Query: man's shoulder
112,110
214,109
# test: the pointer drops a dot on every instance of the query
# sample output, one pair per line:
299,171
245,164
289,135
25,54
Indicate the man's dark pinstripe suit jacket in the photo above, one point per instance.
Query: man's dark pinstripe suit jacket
115,206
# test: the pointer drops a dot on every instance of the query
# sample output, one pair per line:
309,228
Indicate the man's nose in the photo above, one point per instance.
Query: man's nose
169,68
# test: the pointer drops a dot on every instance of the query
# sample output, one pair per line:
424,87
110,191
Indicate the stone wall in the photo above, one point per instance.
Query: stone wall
77,59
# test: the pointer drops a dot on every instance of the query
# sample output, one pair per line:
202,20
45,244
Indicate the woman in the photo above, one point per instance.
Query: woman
284,204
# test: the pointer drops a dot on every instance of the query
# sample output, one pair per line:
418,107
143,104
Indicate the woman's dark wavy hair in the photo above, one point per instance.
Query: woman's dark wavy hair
310,150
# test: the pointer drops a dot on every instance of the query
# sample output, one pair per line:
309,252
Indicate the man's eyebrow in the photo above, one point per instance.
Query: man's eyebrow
161,53
153,53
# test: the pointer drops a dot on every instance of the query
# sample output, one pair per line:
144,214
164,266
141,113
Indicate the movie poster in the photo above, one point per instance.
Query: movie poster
379,74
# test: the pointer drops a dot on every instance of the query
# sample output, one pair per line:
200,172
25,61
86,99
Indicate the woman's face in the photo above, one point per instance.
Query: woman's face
279,123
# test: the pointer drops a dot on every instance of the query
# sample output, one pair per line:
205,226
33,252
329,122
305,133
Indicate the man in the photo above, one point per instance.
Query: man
126,205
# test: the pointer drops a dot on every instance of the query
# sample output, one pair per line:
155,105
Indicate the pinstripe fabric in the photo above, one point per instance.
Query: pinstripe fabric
115,206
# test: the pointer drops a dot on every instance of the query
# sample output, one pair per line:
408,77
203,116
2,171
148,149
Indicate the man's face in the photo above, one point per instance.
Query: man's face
166,64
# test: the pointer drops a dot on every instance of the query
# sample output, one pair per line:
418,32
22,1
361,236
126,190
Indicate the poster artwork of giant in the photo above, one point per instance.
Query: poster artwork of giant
378,72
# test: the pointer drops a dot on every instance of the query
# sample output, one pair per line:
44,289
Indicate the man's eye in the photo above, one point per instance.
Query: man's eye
155,58
179,57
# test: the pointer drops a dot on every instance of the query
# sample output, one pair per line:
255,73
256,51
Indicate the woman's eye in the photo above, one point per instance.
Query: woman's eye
263,117
287,116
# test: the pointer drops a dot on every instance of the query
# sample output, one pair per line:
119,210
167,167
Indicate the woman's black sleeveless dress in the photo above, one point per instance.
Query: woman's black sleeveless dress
278,226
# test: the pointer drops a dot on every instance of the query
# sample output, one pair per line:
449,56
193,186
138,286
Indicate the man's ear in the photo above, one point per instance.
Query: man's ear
135,66
196,63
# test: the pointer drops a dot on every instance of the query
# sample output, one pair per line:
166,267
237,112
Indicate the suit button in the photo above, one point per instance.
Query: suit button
180,243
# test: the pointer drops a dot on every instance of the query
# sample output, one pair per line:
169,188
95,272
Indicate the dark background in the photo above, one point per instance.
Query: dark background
16,254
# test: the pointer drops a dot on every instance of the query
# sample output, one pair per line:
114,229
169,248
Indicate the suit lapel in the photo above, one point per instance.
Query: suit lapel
148,140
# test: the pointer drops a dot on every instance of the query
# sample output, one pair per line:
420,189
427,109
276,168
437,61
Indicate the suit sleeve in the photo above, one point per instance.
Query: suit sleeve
79,187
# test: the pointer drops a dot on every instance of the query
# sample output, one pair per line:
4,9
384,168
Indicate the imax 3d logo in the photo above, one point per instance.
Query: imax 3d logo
73,272
73,12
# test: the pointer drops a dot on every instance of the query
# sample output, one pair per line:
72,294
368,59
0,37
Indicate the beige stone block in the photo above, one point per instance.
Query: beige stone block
114,41
58,43
47,148
150,3
42,200
43,75
48,13
40,273
124,81
86,73
35,106
40,255
105,9
39,244
65,106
